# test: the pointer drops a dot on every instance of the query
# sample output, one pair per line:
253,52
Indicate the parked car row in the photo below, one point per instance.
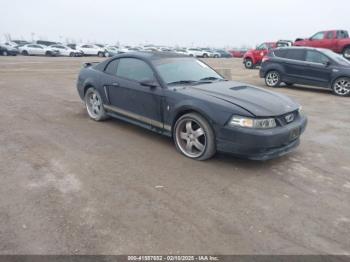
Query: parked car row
50,48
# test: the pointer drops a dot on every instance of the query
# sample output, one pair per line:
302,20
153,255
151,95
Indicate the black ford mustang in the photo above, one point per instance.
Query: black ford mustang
184,98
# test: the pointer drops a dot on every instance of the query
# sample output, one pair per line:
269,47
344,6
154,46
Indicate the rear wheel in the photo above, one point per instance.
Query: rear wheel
194,137
273,79
48,53
101,54
71,54
205,55
341,86
248,63
94,105
346,53
24,52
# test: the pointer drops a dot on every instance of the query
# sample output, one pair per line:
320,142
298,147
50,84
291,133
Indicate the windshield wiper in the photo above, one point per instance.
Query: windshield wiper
182,82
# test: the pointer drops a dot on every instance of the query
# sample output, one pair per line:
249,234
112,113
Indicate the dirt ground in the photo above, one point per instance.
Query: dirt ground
70,185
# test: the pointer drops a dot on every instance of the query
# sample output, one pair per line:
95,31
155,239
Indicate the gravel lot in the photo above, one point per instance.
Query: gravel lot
70,185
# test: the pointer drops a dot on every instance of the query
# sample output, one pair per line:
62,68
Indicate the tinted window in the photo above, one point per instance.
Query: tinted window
295,54
318,36
342,34
280,53
134,69
316,57
112,67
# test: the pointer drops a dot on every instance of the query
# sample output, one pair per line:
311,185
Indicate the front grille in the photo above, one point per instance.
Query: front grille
288,118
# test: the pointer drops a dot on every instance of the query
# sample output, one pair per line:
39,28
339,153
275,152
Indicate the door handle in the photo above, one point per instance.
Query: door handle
115,84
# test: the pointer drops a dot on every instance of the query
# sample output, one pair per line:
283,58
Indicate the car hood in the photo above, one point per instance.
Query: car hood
257,101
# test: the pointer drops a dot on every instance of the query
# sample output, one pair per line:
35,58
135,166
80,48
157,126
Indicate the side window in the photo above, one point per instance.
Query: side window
134,69
262,47
330,35
318,36
342,34
112,67
316,57
296,54
280,53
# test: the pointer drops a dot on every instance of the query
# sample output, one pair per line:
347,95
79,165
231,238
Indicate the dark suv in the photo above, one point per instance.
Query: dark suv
307,66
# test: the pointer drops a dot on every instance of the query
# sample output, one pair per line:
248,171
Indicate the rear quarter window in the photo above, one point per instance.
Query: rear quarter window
296,54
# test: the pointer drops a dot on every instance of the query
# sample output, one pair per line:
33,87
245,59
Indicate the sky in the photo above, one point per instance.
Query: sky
214,23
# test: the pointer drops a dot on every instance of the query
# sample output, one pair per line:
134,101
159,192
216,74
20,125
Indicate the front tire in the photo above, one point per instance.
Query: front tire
48,53
71,54
194,137
273,79
94,105
341,86
248,63
205,55
101,54
25,53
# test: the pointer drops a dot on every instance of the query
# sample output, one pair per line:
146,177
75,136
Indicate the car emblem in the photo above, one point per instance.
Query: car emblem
289,118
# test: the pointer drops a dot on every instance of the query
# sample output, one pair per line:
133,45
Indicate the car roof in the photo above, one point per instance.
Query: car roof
152,55
301,48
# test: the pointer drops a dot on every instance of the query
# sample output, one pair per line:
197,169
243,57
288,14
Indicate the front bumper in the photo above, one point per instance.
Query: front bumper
261,144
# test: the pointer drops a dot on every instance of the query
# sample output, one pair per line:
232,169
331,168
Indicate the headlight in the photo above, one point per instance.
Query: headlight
252,123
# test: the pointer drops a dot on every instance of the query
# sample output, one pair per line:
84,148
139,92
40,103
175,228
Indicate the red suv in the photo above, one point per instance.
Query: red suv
253,57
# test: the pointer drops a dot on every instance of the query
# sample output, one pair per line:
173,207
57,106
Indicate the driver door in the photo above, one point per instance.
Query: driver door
128,97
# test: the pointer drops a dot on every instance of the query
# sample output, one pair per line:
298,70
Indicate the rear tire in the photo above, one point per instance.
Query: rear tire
273,78
194,137
248,63
48,53
341,86
71,54
101,54
205,55
346,52
24,52
94,105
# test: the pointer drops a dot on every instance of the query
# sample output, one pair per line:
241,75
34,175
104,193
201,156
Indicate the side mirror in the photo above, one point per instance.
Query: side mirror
328,63
150,83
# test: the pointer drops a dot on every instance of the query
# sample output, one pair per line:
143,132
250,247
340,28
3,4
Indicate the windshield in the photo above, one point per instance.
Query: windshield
182,70
336,57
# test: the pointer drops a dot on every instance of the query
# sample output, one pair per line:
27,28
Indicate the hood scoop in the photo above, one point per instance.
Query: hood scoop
237,88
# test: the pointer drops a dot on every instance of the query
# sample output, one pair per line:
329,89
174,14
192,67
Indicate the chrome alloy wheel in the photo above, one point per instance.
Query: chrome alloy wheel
342,86
93,104
272,78
190,138
347,53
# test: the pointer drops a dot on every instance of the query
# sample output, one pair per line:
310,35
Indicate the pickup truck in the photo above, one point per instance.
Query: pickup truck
336,40
253,57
